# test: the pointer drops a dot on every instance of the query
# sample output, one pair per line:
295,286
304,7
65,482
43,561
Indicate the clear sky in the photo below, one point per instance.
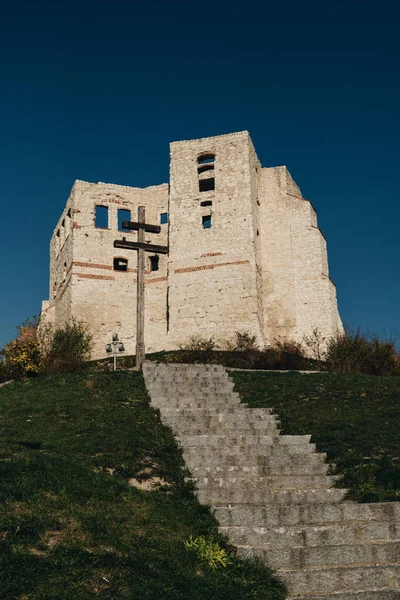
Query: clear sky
96,90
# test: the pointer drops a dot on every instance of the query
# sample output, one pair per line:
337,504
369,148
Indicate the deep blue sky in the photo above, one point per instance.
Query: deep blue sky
96,90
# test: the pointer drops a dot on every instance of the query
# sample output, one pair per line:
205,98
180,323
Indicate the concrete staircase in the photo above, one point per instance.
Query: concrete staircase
272,494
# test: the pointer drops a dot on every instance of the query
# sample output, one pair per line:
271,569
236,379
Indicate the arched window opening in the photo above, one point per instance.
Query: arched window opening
154,263
206,158
205,172
120,264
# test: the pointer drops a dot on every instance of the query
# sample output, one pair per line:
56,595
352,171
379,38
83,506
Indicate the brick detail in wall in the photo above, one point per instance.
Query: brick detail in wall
92,276
300,198
75,225
91,265
156,280
204,267
211,254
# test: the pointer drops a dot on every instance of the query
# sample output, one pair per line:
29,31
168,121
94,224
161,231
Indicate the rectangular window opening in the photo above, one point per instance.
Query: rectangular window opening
101,217
163,218
123,215
206,220
206,203
154,263
120,264
207,185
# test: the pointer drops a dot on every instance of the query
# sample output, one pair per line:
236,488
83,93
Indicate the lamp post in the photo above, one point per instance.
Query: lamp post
115,347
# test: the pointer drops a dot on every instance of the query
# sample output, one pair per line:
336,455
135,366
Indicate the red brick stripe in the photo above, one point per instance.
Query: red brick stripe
91,265
204,267
92,276
211,254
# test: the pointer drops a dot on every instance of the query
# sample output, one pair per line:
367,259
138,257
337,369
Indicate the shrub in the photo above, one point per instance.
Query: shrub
357,353
199,344
244,341
315,345
208,552
68,350
21,360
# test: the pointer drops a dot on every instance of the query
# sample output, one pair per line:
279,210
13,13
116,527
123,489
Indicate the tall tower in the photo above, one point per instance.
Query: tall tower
212,264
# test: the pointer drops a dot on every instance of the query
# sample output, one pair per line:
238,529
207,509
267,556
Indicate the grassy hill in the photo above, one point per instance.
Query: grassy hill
354,418
70,525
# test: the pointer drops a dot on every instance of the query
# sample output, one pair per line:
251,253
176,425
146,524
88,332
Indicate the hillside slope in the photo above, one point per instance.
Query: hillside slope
72,527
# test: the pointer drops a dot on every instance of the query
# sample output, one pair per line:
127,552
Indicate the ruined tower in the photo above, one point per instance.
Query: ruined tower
245,254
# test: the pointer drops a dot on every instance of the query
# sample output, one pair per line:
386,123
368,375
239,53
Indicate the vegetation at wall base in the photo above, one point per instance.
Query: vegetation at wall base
70,525
354,418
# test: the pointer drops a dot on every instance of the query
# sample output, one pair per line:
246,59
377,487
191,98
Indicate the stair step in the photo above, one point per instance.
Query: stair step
254,496
275,515
300,557
274,482
312,535
269,468
341,579
236,441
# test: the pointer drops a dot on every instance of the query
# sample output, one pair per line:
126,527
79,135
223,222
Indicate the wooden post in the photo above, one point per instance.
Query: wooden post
141,227
140,349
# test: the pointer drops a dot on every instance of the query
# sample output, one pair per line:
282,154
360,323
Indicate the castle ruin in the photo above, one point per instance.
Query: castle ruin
245,254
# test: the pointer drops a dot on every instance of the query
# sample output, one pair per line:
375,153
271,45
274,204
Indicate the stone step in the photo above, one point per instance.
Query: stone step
223,496
312,535
241,429
274,482
234,416
269,468
299,557
307,514
189,388
187,402
340,579
211,458
242,441
196,456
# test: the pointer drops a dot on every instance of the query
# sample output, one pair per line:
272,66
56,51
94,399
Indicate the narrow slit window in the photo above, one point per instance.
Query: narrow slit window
101,217
123,215
206,220
163,218
154,263
206,203
120,264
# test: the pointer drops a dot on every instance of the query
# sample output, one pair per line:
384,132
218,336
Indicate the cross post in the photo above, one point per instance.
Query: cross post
142,247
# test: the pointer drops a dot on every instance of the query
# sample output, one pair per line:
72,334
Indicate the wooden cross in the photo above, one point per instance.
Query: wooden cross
142,247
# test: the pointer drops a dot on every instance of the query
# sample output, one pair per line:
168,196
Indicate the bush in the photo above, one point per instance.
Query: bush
244,341
21,360
358,353
68,350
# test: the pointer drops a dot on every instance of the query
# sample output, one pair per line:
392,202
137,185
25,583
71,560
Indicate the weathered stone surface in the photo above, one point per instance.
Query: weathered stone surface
261,267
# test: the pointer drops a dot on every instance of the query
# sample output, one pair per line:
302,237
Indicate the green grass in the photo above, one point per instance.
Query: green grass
354,418
70,525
